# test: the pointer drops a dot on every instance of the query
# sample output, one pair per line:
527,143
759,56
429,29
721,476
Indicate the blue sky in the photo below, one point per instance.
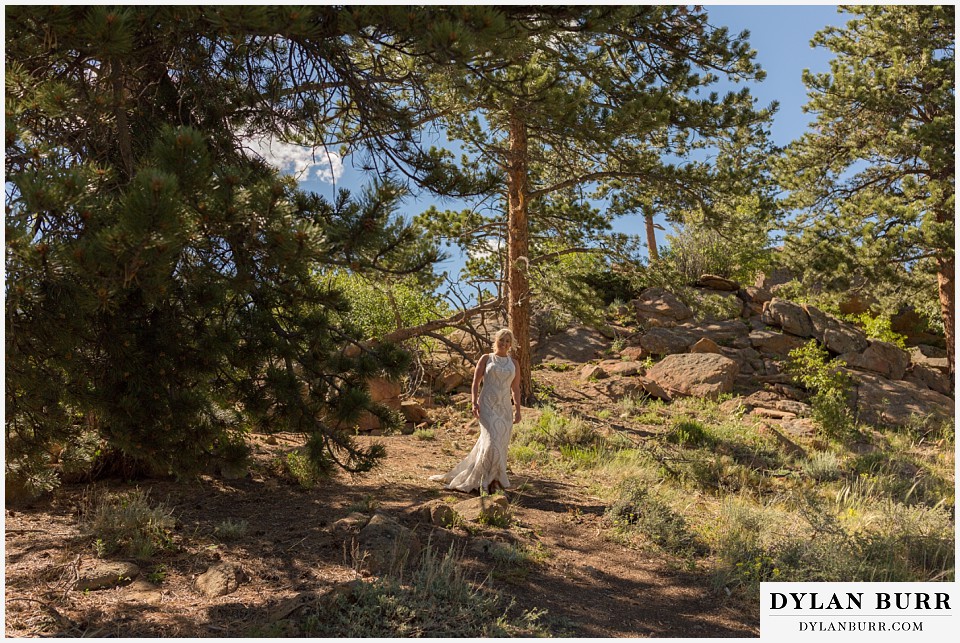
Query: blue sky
781,36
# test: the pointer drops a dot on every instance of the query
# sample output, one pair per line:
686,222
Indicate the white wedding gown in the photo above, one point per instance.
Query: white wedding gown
488,459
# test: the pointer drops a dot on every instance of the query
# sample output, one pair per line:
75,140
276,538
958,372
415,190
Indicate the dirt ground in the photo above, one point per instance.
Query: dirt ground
590,584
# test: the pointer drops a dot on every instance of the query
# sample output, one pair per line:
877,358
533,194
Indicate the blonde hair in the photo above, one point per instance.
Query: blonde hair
503,332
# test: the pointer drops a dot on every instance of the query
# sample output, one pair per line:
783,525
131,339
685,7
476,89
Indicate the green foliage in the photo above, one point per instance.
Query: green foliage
823,466
696,249
436,601
367,504
831,408
871,181
878,327
897,543
555,430
228,530
425,434
378,306
637,508
302,470
689,433
127,523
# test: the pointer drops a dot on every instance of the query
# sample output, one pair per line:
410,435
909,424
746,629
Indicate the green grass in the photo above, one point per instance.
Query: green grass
425,434
435,600
127,523
228,530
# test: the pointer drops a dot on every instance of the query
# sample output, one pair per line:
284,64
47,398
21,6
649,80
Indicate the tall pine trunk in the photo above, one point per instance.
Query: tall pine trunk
652,253
518,251
945,283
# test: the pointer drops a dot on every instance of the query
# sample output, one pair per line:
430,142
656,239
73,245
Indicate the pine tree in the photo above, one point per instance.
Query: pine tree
605,97
162,286
873,180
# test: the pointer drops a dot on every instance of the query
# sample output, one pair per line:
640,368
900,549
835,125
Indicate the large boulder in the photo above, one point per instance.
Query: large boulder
714,282
665,341
658,307
880,357
887,402
577,344
836,335
931,378
791,317
384,391
695,374
755,298
930,356
776,277
771,343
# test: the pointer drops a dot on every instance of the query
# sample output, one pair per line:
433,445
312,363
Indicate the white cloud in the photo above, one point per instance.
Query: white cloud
486,248
302,162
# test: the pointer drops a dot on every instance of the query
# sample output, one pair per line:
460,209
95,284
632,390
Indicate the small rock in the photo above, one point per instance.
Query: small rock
654,389
496,507
706,345
413,411
772,413
103,574
634,353
141,591
219,580
593,372
353,522
438,513
384,542
624,369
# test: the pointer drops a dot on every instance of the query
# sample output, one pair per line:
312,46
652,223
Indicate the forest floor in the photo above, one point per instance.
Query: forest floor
577,571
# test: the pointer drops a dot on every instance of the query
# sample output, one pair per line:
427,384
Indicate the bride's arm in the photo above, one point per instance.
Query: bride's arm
515,386
475,389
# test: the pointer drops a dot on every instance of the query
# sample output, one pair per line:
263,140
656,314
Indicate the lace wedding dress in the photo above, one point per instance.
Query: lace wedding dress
488,459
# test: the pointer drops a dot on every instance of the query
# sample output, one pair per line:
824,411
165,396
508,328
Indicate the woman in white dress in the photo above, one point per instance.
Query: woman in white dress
485,468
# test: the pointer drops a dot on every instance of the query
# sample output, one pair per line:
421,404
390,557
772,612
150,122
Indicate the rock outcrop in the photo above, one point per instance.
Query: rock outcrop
695,374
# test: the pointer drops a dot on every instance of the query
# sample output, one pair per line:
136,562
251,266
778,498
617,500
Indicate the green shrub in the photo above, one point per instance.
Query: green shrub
636,508
527,453
228,530
299,468
689,433
425,434
126,523
555,430
823,466
831,407
878,327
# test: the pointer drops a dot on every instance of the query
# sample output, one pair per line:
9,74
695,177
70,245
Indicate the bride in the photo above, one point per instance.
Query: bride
485,468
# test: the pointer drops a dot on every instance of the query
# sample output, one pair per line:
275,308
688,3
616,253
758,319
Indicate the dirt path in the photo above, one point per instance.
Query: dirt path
589,584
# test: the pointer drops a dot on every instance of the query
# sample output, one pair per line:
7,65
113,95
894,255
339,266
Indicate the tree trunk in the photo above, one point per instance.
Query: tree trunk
518,252
945,282
652,253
